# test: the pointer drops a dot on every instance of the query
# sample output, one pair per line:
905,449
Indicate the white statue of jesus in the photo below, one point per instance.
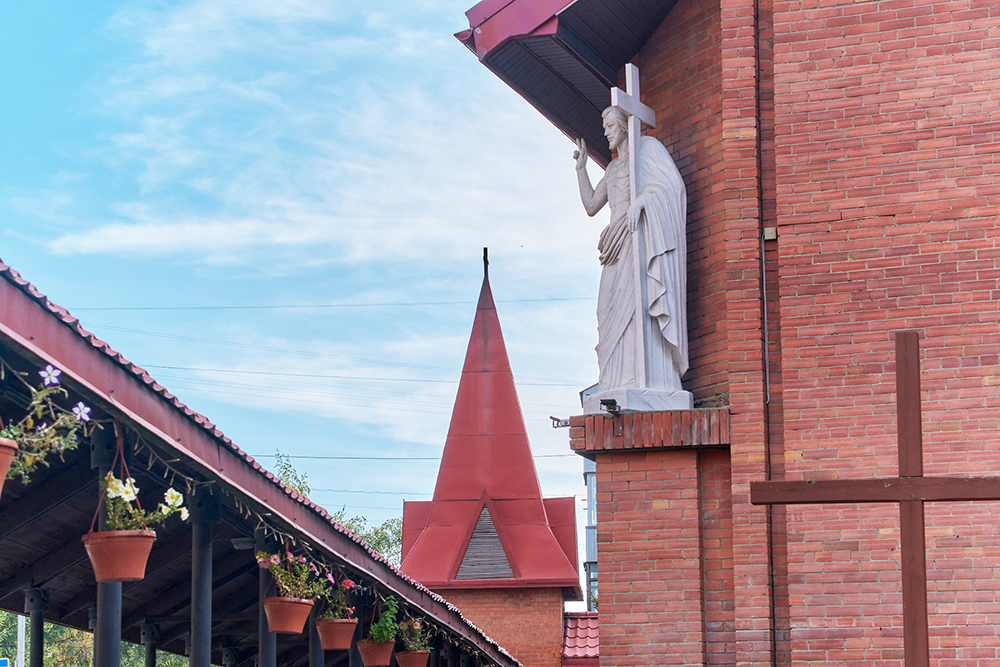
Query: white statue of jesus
657,221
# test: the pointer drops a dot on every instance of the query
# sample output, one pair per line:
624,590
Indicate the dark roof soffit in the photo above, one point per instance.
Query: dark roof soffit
566,71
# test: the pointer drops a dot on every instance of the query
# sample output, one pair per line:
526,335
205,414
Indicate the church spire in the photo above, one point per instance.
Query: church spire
487,520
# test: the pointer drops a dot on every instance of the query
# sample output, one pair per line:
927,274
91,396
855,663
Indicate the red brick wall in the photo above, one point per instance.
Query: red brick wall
664,537
679,69
888,191
526,622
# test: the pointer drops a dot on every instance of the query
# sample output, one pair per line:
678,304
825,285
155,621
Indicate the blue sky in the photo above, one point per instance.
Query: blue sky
279,210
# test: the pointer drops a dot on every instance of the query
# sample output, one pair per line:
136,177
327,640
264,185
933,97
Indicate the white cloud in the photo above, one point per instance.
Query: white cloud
326,134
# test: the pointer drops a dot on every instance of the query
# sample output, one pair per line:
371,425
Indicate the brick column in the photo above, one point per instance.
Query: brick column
649,558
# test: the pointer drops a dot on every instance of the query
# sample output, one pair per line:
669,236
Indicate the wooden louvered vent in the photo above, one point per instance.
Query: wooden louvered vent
484,557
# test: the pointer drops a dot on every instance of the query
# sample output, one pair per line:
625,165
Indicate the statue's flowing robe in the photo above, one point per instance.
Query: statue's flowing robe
664,244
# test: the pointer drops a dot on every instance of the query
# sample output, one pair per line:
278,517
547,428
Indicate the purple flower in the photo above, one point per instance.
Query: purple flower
302,559
329,577
50,375
82,412
262,564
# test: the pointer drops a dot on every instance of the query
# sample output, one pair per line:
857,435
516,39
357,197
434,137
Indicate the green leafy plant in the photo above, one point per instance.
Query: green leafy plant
415,635
294,576
45,429
334,596
289,476
384,630
124,513
386,538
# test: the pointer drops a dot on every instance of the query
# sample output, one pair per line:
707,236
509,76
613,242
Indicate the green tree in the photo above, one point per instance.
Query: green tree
68,647
385,538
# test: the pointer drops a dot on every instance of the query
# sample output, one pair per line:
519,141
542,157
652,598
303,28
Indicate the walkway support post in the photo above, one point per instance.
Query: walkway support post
150,638
205,510
108,628
34,606
316,654
267,644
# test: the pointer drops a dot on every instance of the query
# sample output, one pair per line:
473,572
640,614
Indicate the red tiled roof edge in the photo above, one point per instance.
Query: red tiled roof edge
581,638
73,323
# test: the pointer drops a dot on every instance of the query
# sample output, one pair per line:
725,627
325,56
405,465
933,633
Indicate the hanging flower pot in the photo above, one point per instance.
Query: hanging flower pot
120,552
412,658
7,449
336,634
119,555
287,614
375,655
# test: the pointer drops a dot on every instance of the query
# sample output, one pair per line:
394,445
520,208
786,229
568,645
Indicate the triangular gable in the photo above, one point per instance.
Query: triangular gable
484,557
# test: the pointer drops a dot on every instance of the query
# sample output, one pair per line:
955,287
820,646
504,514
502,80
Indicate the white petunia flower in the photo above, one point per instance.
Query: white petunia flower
184,514
129,490
115,487
173,498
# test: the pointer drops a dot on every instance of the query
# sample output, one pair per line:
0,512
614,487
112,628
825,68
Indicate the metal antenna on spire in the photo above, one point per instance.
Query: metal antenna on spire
486,262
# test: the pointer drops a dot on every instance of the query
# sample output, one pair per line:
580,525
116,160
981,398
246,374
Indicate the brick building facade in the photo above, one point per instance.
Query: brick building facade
842,161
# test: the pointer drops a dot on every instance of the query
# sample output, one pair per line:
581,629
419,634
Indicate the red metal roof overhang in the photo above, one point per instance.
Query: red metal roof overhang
563,56
47,334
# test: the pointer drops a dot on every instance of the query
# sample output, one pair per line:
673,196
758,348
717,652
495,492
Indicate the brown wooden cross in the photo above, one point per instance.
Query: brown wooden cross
911,490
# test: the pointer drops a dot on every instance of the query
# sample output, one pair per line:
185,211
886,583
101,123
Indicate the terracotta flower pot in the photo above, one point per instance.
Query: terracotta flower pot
287,614
412,658
119,555
335,634
375,655
7,450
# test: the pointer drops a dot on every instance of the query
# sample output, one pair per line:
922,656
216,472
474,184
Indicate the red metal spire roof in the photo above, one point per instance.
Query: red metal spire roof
487,492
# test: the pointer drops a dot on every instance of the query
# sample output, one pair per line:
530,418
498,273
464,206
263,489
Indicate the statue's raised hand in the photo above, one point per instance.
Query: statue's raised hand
580,155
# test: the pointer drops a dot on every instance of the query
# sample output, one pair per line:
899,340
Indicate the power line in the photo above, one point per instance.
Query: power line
387,493
295,375
385,458
265,348
341,377
307,306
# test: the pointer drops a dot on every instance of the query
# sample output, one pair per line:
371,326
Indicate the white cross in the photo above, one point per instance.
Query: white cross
638,112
